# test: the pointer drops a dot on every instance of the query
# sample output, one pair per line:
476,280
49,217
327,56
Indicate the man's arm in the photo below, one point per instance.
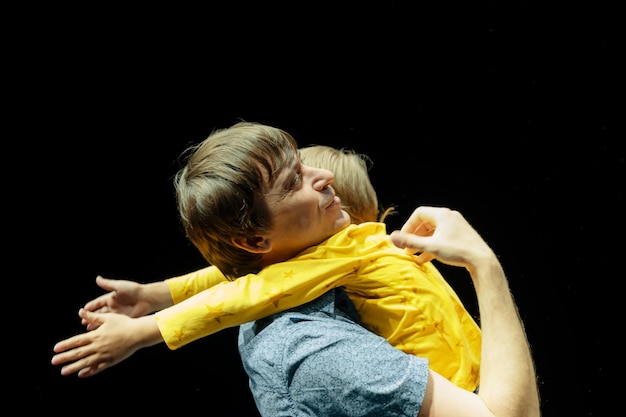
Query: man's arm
508,386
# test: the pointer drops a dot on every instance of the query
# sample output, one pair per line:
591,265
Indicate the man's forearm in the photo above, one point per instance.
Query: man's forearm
507,370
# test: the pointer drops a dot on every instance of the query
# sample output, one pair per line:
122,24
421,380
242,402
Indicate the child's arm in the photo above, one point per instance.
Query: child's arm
251,297
115,337
135,299
185,286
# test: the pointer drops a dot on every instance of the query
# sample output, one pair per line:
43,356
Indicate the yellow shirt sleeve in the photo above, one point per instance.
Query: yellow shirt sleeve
184,286
251,297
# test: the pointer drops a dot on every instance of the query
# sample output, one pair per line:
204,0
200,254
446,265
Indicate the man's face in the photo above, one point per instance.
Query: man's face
305,210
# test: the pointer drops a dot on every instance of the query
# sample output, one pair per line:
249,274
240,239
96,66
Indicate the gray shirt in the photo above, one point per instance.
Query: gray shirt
315,360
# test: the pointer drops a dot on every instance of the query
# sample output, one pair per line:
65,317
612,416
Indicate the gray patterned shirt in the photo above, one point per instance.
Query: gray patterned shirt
314,360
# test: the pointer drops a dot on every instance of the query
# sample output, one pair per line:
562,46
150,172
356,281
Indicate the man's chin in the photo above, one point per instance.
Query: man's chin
343,221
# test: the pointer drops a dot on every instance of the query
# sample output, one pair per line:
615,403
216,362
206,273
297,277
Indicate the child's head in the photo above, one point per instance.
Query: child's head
352,183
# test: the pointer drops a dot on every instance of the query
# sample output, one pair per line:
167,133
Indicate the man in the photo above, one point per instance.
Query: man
247,202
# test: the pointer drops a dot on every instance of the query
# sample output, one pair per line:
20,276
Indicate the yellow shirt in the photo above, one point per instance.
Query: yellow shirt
410,305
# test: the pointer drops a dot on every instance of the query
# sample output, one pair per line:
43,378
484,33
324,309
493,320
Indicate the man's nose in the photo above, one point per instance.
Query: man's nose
322,178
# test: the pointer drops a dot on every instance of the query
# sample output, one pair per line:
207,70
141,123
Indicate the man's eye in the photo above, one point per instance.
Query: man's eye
296,180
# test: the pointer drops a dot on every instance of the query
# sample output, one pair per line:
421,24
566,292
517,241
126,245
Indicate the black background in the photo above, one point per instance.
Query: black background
506,113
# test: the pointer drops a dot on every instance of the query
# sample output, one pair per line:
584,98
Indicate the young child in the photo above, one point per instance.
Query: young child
409,304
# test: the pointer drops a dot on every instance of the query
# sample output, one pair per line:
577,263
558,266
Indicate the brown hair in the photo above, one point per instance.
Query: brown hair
220,190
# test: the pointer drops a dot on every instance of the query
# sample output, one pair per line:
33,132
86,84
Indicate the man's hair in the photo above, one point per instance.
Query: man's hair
219,191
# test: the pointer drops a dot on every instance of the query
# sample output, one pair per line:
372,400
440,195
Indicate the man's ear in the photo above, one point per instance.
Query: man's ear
256,244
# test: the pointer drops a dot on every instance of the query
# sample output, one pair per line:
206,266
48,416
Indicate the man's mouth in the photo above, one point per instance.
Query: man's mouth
334,202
